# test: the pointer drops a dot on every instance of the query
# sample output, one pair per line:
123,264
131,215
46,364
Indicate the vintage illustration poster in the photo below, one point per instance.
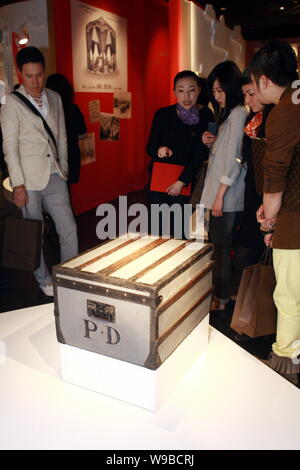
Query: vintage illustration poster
94,111
99,43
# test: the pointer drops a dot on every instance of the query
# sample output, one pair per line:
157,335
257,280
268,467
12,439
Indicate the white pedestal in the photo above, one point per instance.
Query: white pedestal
128,382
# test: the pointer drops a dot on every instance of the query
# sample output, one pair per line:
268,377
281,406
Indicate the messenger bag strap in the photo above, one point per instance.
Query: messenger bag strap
37,113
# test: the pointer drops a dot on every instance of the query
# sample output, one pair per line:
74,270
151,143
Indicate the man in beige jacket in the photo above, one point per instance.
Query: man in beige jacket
37,163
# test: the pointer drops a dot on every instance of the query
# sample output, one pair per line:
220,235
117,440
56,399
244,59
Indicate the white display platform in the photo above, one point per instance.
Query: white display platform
228,400
129,382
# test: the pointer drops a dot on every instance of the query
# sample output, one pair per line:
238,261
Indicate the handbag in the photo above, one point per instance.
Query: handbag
22,241
255,313
165,174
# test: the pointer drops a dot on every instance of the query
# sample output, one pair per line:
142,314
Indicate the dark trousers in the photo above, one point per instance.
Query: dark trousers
169,224
222,232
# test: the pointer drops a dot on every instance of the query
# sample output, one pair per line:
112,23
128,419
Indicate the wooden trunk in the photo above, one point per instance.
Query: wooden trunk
133,299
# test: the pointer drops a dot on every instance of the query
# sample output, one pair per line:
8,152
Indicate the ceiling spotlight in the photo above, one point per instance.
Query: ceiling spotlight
22,35
23,39
223,8
282,8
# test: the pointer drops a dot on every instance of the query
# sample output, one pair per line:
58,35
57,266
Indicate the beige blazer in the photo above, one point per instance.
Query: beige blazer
26,145
224,164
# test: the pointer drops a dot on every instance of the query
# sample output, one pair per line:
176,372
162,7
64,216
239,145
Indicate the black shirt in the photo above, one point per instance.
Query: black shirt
168,130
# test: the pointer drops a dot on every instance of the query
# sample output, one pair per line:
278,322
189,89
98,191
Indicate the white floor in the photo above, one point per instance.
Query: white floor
229,400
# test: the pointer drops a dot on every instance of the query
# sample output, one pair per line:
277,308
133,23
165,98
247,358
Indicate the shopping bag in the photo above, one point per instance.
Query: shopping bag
198,224
255,313
165,174
22,241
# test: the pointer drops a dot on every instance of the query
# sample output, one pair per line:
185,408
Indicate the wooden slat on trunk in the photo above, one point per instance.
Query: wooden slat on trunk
185,289
156,263
181,319
136,254
104,255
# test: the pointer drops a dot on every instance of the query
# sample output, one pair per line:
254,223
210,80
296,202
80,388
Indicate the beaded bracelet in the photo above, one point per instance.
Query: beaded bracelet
266,228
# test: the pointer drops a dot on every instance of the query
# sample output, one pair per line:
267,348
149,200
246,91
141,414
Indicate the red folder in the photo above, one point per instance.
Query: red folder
165,174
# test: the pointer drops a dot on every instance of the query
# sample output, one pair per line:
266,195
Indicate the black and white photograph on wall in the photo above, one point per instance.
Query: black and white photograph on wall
94,111
99,42
109,127
87,149
122,104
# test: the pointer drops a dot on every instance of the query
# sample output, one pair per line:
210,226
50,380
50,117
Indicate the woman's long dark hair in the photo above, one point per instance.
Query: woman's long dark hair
62,86
204,97
228,74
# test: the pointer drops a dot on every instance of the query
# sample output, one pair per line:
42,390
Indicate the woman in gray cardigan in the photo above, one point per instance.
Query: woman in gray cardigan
224,186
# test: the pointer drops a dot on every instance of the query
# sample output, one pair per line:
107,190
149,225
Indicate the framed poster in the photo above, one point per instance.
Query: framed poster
87,149
122,104
109,127
99,44
94,111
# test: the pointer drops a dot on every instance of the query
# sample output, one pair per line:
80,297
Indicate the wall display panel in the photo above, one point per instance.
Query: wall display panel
99,43
206,41
147,55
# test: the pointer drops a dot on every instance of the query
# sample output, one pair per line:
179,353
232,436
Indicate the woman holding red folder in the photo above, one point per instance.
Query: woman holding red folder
175,140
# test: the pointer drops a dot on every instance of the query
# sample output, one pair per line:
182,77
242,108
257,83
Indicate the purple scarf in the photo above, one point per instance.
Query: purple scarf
188,116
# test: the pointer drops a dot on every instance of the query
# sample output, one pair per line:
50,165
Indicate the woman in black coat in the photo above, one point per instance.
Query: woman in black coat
175,138
74,120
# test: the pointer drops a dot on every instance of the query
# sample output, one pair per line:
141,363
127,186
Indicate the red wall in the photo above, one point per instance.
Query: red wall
120,167
175,39
156,59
